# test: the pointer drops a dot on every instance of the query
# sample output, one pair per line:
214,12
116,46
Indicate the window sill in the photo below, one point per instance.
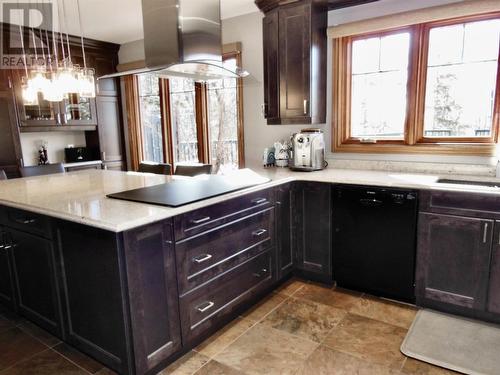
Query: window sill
485,149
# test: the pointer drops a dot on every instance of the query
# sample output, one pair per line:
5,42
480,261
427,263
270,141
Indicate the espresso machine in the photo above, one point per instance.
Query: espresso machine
308,150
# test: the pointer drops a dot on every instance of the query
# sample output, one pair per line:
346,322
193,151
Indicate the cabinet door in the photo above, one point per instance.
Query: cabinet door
152,286
312,230
110,135
494,285
76,110
10,144
6,286
34,269
294,62
453,259
271,68
284,230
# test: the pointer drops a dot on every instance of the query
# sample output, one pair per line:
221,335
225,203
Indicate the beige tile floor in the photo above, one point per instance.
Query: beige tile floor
300,329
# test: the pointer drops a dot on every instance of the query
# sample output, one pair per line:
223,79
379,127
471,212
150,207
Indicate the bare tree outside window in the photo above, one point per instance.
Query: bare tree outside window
223,122
150,116
183,119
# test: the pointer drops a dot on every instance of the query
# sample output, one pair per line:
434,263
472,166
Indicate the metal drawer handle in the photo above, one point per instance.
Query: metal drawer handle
485,232
199,221
259,200
25,221
259,232
261,273
202,258
207,306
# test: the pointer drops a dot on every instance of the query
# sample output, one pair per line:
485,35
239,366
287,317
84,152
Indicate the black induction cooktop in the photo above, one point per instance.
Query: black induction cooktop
184,191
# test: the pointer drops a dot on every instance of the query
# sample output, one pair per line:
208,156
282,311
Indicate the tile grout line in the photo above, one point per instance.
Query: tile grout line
76,364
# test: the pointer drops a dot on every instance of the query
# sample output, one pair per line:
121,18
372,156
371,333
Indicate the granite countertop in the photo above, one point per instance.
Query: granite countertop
81,196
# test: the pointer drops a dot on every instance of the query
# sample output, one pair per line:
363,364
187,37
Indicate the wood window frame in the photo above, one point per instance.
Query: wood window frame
414,140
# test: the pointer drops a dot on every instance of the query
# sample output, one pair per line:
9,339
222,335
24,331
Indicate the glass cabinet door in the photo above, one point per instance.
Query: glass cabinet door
78,111
40,112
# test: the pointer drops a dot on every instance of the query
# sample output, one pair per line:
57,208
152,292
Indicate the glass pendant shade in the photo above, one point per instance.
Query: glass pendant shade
53,91
38,81
68,81
30,95
87,83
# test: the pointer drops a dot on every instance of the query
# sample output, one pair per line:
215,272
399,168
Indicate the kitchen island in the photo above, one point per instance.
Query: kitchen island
136,285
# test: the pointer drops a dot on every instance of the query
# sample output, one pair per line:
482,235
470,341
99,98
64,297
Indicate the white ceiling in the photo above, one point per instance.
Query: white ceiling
120,21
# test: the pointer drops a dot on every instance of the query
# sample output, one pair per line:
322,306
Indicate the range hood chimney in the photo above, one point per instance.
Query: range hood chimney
183,38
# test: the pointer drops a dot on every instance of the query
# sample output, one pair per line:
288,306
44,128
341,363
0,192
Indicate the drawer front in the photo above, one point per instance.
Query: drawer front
198,221
28,222
460,203
205,307
203,257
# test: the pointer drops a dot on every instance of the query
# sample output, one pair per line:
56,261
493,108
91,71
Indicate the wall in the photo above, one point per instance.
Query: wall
57,141
248,30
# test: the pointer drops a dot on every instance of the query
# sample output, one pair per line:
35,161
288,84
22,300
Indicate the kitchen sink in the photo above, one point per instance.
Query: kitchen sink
471,183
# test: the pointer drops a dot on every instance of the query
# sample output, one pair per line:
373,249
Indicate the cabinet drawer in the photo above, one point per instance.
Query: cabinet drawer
461,204
207,255
203,308
28,222
194,222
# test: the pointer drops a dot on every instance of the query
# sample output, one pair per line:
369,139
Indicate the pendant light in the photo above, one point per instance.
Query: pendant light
86,75
29,94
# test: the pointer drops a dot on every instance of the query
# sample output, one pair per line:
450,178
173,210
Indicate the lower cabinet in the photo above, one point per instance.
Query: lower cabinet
6,284
94,294
284,248
453,259
34,269
312,226
206,307
152,289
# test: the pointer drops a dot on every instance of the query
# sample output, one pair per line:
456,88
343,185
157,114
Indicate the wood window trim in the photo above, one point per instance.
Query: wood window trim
414,141
133,121
236,54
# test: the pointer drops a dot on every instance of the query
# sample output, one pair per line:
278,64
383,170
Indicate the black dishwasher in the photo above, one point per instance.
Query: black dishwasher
374,240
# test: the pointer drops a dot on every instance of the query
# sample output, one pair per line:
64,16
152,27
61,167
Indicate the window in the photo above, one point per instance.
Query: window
223,118
379,62
183,119
461,80
179,121
424,88
150,117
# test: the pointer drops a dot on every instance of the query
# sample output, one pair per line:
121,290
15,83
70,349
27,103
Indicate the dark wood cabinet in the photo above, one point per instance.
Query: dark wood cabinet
6,284
152,289
37,289
94,289
295,56
270,29
494,282
110,132
10,144
312,238
453,260
284,249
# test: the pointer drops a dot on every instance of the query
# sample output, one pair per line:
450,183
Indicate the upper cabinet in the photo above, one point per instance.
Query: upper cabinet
295,57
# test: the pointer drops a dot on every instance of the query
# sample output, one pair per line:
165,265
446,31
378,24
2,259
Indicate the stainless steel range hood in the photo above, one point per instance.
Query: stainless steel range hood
183,38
